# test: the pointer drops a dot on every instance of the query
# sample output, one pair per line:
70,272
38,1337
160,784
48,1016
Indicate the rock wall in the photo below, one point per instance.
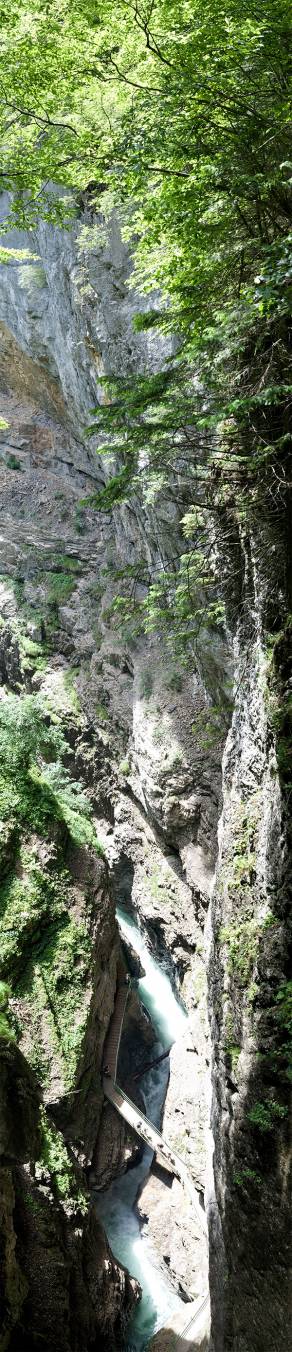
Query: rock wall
250,1220
60,1286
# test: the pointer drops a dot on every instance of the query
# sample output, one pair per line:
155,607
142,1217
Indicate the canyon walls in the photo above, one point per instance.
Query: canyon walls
142,739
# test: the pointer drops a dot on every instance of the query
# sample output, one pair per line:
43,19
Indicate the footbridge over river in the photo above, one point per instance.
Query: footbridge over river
165,1155
186,1333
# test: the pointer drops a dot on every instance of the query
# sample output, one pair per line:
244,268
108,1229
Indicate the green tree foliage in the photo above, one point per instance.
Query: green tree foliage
177,111
26,733
187,100
153,426
34,784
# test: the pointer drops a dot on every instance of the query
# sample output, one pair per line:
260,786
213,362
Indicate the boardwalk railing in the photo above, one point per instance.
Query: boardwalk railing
112,1043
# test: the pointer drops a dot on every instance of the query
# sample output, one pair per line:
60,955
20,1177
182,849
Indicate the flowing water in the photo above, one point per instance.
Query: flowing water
115,1207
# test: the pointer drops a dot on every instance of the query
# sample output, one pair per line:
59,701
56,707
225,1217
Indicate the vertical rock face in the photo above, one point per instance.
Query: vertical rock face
249,982
60,1286
135,725
77,1296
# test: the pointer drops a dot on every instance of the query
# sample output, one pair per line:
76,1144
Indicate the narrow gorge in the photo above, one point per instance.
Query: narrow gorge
126,741
145,792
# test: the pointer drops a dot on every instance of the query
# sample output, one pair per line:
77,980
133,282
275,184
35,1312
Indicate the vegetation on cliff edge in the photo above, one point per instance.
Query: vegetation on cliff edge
46,948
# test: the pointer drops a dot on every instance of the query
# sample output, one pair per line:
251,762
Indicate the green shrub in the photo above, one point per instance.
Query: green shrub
124,767
252,992
56,1158
146,684
47,952
210,726
68,803
66,564
242,942
5,1028
26,904
43,949
175,681
60,588
233,1051
25,733
12,462
284,1006
176,760
246,1176
102,713
266,1115
79,521
70,687
30,747
5,993
30,647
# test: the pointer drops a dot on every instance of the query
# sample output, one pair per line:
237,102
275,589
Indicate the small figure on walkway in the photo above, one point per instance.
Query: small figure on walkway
170,1157
106,1072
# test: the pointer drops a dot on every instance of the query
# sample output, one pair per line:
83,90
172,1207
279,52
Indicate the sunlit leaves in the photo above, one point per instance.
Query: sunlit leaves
179,113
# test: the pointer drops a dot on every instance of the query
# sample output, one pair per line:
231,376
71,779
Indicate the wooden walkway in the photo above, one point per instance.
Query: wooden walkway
166,1156
190,1329
155,1140
112,1042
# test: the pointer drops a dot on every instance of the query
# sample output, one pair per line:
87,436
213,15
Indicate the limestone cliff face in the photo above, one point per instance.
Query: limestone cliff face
135,726
249,986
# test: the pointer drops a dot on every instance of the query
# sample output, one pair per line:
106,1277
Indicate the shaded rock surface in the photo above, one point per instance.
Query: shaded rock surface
251,1261
60,1286
19,1108
77,1295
